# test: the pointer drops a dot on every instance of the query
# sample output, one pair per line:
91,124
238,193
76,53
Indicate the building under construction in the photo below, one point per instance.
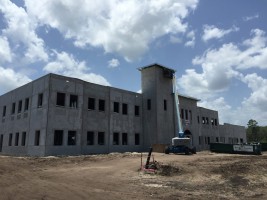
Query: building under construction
58,115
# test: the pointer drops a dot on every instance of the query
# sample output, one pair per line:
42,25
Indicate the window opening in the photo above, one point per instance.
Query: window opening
90,138
26,105
165,104
37,138
115,138
101,138
124,139
20,106
17,139
58,137
61,99
91,103
136,110
149,104
101,105
124,109
116,107
71,137
4,111
73,101
23,139
137,139
13,108
40,100
10,140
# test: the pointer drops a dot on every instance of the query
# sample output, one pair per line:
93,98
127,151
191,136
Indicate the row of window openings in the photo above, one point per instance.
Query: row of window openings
92,104
26,105
23,139
13,109
58,138
205,120
148,104
221,139
186,114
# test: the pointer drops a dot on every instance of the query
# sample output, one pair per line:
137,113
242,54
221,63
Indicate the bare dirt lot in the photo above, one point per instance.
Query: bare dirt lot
116,176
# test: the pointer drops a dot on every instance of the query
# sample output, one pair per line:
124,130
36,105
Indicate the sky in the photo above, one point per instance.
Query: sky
218,48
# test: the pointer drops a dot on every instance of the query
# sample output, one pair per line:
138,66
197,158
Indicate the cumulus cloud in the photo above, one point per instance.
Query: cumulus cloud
192,38
21,31
66,65
126,27
220,67
175,40
113,63
5,52
9,79
212,32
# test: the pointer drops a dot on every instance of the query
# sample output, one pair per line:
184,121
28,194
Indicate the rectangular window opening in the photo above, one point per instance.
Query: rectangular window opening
17,139
4,111
186,114
198,119
26,104
101,105
40,100
61,99
116,139
207,120
71,137
58,137
165,104
73,101
20,106
124,139
10,140
91,103
23,139
136,110
182,113
149,104
203,120
125,109
13,108
37,138
116,107
101,138
137,139
90,138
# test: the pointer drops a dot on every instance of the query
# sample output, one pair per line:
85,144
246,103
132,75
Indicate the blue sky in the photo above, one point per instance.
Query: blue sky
218,48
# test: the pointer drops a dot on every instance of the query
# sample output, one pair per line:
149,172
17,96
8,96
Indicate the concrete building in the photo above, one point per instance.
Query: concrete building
58,115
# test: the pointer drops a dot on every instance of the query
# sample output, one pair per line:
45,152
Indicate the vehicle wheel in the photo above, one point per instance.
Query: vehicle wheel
167,150
194,150
186,151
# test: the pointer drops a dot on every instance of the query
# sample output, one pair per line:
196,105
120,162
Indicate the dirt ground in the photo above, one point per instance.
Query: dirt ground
117,176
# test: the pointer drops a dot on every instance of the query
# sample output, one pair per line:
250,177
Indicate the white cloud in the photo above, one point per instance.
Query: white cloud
248,18
126,27
219,68
175,40
192,38
113,63
9,79
66,65
212,32
21,31
5,52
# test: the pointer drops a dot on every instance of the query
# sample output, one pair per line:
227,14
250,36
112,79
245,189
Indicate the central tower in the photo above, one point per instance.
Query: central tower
159,117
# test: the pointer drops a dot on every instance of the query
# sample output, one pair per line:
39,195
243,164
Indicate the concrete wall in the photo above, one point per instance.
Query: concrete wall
35,118
159,125
232,134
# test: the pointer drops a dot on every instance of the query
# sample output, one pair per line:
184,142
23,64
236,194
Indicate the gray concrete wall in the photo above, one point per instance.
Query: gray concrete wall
159,124
232,134
26,121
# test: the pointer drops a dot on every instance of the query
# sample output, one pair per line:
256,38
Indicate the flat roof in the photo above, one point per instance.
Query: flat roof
188,97
156,64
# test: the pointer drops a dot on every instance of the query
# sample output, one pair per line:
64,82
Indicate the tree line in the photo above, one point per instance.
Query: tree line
256,133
